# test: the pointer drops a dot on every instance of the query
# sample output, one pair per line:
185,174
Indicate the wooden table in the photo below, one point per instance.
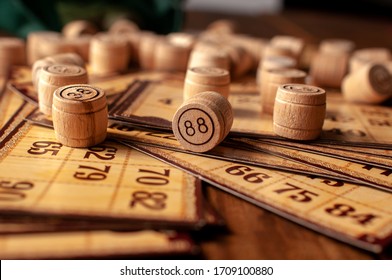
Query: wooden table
254,233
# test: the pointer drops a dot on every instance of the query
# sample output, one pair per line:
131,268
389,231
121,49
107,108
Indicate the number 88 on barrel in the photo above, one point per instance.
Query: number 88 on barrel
203,121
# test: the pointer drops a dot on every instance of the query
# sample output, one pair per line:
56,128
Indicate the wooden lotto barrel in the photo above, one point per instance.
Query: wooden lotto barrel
12,52
201,58
108,55
63,58
366,56
34,42
123,26
271,80
336,45
54,76
274,62
200,79
147,45
203,121
299,111
371,84
80,115
171,55
329,68
77,28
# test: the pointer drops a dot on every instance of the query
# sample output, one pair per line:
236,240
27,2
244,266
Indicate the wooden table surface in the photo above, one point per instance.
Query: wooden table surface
254,233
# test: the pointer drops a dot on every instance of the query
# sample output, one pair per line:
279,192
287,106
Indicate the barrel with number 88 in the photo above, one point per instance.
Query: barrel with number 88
203,121
80,115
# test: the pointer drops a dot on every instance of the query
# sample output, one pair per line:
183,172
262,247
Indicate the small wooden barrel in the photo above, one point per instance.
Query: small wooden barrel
63,58
171,56
200,58
240,60
299,111
81,46
254,46
336,45
294,44
123,26
12,52
203,121
371,84
147,46
271,80
55,45
362,57
109,54
274,62
80,115
329,68
222,26
54,76
77,28
200,79
34,42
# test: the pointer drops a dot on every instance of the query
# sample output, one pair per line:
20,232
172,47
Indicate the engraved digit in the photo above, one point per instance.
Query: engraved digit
11,196
202,125
190,131
340,210
239,170
153,201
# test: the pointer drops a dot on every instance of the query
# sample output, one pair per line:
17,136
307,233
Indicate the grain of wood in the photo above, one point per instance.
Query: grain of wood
80,115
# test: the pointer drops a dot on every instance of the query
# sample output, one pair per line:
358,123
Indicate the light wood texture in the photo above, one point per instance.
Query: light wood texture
147,46
123,26
54,76
299,111
109,54
241,61
222,26
293,44
34,42
254,46
203,121
171,55
55,45
274,62
77,28
80,115
200,79
202,58
365,56
336,45
63,58
81,45
12,52
328,68
371,84
271,80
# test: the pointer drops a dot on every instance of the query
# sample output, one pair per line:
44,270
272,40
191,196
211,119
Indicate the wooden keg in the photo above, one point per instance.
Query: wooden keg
203,121
274,62
34,42
328,69
365,56
371,84
54,76
77,28
123,26
299,111
201,58
271,80
109,54
171,56
63,58
336,45
200,79
294,45
80,115
147,46
12,52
